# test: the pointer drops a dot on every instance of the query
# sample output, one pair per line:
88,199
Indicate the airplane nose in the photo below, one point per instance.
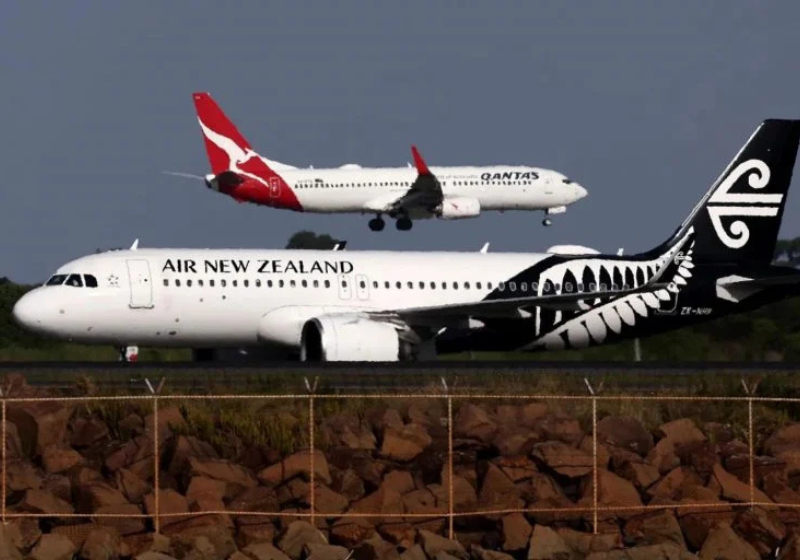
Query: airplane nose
580,192
25,313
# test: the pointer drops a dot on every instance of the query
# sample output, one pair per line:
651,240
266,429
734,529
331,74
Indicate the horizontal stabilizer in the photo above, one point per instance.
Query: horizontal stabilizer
737,288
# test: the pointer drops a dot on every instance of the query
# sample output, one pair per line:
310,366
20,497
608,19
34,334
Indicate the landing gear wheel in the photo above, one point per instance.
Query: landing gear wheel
376,224
547,222
404,224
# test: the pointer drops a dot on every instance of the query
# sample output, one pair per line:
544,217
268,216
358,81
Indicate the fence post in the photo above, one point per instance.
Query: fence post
5,463
156,455
594,455
450,506
311,389
751,444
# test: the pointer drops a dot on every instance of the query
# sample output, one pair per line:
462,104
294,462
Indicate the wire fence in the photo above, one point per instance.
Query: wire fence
446,396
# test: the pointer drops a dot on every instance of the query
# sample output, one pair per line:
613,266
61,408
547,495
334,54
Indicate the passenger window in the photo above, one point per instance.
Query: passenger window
501,286
455,285
374,283
421,285
433,285
466,285
567,286
75,281
178,283
211,282
489,285
246,283
200,282
535,286
223,282
478,285
292,283
523,286
166,282
91,281
361,284
269,283
410,285
399,285
280,283
316,283
235,283
386,284
189,283
580,286
304,283
327,283
258,283
512,286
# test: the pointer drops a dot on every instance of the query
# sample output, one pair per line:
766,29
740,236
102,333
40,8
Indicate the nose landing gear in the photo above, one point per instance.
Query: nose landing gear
547,222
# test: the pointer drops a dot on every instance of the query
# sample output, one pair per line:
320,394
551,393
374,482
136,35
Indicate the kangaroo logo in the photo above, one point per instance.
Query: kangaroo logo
724,203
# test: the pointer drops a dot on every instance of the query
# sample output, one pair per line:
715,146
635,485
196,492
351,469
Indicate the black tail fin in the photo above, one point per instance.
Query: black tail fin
739,217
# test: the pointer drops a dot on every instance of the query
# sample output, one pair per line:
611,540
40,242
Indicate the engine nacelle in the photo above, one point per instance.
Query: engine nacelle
572,250
350,338
457,208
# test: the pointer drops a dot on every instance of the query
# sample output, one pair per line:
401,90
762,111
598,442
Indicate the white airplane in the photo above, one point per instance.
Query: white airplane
390,306
402,193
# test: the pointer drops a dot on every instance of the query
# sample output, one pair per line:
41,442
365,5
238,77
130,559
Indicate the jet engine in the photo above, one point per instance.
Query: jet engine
457,208
350,338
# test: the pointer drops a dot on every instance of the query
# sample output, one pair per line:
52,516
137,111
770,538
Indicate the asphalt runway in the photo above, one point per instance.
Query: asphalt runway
364,377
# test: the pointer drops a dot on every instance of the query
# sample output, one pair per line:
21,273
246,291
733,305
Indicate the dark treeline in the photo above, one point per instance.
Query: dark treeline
771,333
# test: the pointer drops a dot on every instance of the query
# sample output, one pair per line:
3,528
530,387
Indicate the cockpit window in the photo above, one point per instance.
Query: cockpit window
56,280
566,181
75,281
91,281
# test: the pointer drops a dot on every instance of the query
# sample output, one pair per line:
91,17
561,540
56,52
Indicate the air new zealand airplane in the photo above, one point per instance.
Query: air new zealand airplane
399,305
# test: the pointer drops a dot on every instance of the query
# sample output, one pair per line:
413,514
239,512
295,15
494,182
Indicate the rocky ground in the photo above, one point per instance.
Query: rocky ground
84,460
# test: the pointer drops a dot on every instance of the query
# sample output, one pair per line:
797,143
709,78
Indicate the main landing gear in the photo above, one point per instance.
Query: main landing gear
403,223
547,222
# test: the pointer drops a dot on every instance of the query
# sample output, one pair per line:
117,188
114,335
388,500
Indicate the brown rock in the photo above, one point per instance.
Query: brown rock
531,414
25,533
14,449
663,456
761,528
612,491
739,466
41,501
235,478
516,467
297,536
672,486
641,475
406,443
328,501
723,542
584,544
8,543
58,485
700,455
516,531
626,433
655,528
497,491
127,522
182,448
681,431
53,546
212,541
718,433
87,431
77,533
560,428
348,484
82,475
473,422
603,451
294,465
169,504
434,544
515,441
21,476
349,531
132,486
95,495
400,534
734,489
264,551
136,455
564,459
247,535
326,552
40,424
103,543
546,544
257,499
168,418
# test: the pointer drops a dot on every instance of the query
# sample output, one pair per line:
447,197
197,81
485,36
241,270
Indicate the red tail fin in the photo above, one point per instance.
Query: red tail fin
224,143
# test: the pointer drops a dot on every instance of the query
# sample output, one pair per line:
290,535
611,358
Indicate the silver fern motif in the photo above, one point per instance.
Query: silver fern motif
602,318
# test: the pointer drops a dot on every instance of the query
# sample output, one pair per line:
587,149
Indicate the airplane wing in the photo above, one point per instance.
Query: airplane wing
424,192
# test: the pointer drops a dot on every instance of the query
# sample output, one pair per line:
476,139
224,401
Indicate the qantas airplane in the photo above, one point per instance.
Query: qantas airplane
402,193
392,306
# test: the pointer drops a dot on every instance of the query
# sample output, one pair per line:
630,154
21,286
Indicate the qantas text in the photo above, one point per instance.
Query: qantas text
260,266
510,176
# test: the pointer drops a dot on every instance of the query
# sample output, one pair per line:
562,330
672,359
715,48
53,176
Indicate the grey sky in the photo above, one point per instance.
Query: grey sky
643,102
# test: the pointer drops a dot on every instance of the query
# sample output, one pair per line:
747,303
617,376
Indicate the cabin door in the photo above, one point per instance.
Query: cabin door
141,283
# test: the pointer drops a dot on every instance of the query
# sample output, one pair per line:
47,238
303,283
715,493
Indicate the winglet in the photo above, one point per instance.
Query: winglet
422,167
135,245
485,247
